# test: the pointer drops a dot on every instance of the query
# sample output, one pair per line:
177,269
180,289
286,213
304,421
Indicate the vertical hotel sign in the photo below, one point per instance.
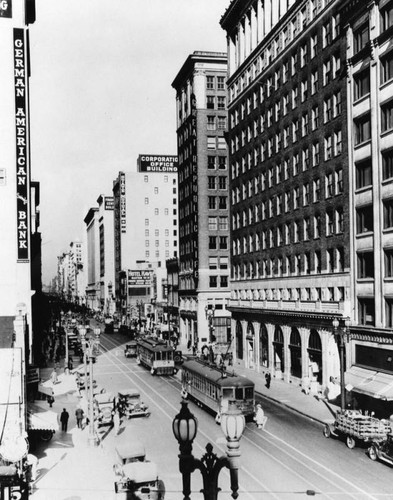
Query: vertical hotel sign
22,183
194,169
123,221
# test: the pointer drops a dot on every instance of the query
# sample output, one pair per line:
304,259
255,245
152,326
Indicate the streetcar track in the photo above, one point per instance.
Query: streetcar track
172,381
170,417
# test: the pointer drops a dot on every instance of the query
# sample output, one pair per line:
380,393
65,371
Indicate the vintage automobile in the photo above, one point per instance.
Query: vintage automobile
139,480
128,451
130,349
82,383
109,325
130,405
382,450
104,406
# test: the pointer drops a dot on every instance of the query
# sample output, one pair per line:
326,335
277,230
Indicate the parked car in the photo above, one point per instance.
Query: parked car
130,350
135,477
104,405
140,481
130,405
382,450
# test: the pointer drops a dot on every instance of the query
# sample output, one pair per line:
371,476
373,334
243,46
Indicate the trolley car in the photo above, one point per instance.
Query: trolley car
157,355
212,388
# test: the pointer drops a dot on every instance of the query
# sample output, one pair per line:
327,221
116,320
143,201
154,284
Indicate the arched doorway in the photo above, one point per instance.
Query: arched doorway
278,350
315,357
250,337
239,340
263,347
295,348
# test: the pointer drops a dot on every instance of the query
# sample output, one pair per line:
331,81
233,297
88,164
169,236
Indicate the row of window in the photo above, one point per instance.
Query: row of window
366,267
216,122
300,127
156,210
218,282
219,182
166,179
363,123
291,265
361,36
280,203
157,243
365,217
218,223
364,169
157,232
217,202
216,102
215,243
290,233
216,161
306,52
215,82
303,294
156,254
166,212
288,100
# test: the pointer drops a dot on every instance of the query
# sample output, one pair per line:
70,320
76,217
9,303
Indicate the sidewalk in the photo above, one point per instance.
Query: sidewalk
69,468
291,396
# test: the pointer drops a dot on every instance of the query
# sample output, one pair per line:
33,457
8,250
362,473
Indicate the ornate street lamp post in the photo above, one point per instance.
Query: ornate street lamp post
89,346
185,427
340,332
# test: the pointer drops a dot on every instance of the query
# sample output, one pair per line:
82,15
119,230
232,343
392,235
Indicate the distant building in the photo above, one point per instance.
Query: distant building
290,192
145,233
100,268
203,199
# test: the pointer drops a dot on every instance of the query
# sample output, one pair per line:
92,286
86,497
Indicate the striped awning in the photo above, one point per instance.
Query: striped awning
39,418
372,383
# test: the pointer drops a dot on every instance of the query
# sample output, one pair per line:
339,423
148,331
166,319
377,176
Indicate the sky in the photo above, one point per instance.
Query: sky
101,94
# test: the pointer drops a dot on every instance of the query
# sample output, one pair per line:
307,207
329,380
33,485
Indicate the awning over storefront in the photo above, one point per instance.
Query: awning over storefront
372,383
39,418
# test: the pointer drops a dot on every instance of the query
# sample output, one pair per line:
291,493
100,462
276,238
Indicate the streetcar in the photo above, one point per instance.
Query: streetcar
157,355
213,388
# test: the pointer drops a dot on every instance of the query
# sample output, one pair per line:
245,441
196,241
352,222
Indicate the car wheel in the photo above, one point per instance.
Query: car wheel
46,435
351,443
327,431
372,453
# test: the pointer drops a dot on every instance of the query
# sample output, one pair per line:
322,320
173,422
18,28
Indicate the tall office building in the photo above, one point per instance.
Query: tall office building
145,232
203,199
289,186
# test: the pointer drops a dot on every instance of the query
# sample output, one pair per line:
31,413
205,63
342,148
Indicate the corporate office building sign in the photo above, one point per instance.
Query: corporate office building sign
22,179
157,163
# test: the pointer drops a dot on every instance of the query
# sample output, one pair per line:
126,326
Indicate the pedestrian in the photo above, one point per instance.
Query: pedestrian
53,376
268,379
116,422
259,417
79,414
70,364
64,416
50,400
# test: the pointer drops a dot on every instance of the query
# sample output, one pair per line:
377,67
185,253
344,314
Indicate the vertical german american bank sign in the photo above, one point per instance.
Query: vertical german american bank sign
22,180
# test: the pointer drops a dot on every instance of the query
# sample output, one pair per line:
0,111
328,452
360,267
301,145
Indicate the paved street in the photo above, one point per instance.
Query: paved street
286,460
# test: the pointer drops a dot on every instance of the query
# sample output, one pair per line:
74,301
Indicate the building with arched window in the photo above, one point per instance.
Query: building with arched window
289,187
